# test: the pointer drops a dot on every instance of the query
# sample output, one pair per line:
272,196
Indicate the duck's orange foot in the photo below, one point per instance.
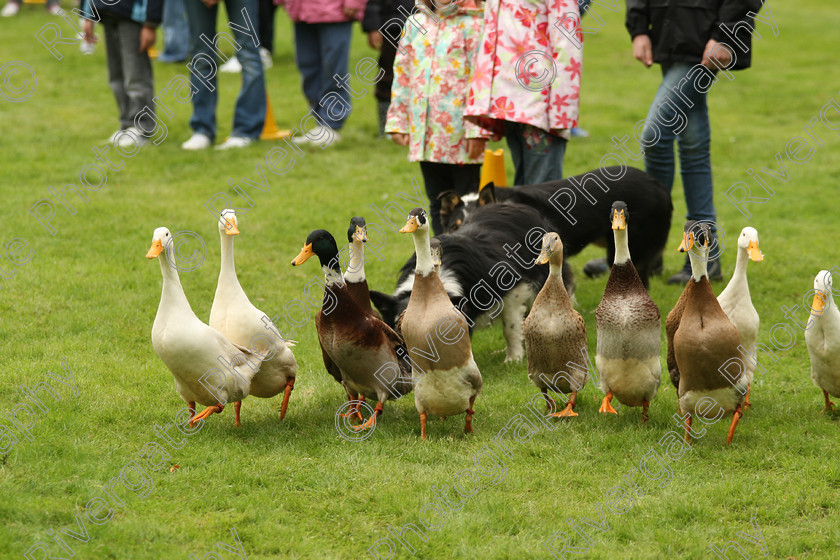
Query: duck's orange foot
736,416
371,422
290,384
567,412
645,416
354,410
468,422
214,409
829,406
605,404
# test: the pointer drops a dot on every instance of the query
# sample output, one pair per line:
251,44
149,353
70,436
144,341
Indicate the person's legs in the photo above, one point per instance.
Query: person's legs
537,155
679,112
382,91
249,114
308,60
176,32
334,39
657,135
513,136
203,20
116,78
437,179
266,24
137,73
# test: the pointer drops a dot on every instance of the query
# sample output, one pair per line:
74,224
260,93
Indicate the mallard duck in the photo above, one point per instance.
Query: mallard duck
555,334
822,338
736,303
192,350
627,352
239,321
359,345
355,274
445,374
705,341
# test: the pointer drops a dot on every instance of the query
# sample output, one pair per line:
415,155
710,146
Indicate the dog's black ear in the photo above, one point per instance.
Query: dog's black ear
386,305
449,200
487,194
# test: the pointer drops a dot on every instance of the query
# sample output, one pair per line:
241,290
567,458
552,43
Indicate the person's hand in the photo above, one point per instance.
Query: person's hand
209,3
147,38
475,147
399,138
350,13
716,55
88,29
642,50
375,39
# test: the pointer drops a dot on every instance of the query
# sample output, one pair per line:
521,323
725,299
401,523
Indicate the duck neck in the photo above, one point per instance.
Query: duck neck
555,266
356,266
739,277
699,259
332,271
622,249
227,272
172,293
423,250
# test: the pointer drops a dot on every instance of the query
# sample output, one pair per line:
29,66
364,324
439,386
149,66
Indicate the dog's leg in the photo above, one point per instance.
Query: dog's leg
513,316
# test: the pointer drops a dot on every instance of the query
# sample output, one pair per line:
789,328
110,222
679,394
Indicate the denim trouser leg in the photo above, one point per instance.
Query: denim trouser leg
537,155
202,20
249,114
684,118
176,32
322,50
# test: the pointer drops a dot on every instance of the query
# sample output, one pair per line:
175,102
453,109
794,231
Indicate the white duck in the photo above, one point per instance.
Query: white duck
194,352
822,337
736,302
239,321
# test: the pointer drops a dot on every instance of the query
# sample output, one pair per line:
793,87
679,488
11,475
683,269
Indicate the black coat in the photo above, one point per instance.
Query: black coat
378,12
680,29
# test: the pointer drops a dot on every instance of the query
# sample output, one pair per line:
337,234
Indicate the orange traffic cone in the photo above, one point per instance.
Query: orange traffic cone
493,170
270,130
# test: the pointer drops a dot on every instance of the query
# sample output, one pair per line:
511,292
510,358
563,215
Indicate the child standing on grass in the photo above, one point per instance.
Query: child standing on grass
432,73
130,30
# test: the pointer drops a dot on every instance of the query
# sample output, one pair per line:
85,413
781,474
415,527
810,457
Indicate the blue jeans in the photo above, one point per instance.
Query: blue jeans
249,114
322,50
684,118
537,155
176,32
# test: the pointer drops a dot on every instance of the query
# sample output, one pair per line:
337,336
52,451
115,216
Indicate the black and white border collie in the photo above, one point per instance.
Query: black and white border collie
578,208
488,270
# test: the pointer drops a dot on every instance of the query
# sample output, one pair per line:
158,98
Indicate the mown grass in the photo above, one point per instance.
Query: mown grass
295,489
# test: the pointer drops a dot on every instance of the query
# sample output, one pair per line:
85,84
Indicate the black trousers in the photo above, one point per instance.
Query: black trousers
441,177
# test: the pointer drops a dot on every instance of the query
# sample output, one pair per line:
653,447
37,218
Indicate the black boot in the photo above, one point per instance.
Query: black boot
684,275
596,268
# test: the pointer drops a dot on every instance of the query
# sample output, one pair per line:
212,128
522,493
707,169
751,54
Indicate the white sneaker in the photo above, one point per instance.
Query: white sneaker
234,142
265,55
10,9
232,66
322,134
197,142
111,139
129,138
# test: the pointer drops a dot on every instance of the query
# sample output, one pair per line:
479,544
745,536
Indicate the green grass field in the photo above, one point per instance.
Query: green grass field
296,489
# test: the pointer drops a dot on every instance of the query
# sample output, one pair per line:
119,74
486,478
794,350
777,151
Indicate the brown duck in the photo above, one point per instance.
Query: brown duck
705,342
555,334
446,377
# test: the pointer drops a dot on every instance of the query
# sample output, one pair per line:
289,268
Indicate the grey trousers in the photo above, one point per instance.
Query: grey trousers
129,71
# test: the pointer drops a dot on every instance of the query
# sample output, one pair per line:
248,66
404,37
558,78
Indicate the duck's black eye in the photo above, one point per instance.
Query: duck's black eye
167,235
